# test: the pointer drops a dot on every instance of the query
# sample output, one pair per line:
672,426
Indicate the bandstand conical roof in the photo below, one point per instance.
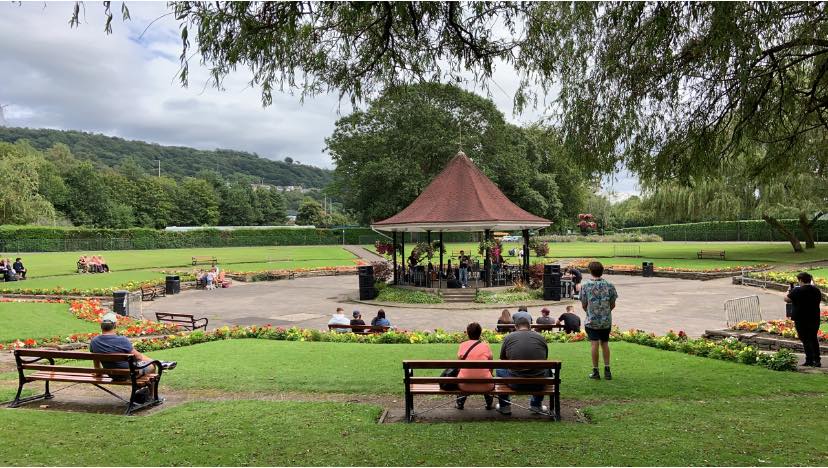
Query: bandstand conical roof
461,198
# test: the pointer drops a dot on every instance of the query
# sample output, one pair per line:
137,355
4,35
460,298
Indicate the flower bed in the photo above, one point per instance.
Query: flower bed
271,275
388,293
784,328
785,277
582,265
91,292
91,310
507,297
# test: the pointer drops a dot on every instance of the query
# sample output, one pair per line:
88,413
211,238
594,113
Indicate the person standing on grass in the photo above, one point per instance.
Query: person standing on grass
598,298
806,299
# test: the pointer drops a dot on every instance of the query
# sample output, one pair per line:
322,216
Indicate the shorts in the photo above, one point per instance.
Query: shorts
596,334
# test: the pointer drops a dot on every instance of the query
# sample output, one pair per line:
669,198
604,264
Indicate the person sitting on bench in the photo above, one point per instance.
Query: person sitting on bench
357,320
545,319
380,320
505,319
522,312
83,264
339,318
19,268
522,344
109,342
570,321
474,349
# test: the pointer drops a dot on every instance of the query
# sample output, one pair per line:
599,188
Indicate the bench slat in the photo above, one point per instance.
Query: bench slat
80,378
485,380
469,364
434,389
78,355
75,370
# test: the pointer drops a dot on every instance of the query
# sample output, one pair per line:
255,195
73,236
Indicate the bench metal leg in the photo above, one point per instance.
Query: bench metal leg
47,395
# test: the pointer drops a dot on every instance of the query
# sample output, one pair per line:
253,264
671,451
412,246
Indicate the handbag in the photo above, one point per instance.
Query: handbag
454,372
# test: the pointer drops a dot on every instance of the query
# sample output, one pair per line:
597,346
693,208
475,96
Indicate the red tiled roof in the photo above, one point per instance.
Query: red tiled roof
461,193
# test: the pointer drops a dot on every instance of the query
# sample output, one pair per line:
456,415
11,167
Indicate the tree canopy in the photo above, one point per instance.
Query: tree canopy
666,88
387,154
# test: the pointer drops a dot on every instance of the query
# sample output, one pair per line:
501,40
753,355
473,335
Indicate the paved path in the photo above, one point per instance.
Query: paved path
363,253
652,304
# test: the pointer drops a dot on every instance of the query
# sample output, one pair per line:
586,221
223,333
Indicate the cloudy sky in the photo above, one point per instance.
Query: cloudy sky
124,84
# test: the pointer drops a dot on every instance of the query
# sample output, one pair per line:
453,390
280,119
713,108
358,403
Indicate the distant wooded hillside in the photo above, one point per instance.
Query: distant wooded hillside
176,161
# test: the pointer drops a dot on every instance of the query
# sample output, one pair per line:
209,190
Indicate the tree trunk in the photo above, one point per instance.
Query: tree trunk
797,246
808,228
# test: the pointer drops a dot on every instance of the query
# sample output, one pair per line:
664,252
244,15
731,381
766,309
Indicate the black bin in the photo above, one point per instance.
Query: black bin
647,269
173,284
367,291
120,302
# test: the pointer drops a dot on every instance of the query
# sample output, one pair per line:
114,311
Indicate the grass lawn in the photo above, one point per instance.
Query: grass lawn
21,320
663,408
57,269
668,254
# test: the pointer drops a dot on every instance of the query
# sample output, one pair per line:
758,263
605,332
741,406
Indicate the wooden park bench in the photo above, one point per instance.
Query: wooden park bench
204,260
359,329
431,385
149,293
538,327
33,360
711,254
186,321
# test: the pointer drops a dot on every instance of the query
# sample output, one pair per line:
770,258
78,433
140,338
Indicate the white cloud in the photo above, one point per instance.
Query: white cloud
124,84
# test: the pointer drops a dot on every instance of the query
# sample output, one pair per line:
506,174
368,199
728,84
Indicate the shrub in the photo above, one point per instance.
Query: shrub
406,296
382,271
623,237
745,230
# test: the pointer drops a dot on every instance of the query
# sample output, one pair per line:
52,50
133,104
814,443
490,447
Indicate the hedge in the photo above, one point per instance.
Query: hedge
58,239
745,230
62,239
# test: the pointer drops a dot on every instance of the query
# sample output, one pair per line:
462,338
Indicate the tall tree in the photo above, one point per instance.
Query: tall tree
310,213
20,201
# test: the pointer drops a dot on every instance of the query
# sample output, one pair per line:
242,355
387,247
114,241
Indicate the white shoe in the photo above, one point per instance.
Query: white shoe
539,410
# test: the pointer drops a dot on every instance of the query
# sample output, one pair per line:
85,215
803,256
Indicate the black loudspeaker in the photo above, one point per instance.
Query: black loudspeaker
552,282
120,304
367,291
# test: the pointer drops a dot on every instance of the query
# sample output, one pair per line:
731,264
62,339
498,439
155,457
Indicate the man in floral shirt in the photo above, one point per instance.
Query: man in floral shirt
598,300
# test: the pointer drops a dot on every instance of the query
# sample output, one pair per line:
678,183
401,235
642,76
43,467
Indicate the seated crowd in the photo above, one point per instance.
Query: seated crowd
570,321
211,279
12,271
92,264
339,318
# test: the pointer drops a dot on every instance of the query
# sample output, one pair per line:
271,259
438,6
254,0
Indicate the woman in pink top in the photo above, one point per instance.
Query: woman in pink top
481,352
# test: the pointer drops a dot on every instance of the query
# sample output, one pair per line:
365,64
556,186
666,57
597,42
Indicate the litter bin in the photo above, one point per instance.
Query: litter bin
647,270
120,302
173,284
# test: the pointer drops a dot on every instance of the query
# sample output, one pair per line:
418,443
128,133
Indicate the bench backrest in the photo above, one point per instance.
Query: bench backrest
535,326
362,328
554,366
31,359
177,318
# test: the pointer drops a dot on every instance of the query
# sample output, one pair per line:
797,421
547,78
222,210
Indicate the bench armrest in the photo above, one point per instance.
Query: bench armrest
204,319
154,362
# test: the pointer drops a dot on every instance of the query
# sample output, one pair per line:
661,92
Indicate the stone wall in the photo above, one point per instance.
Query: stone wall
763,341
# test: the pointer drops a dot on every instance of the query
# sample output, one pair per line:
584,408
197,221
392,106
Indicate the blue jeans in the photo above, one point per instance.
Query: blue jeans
505,400
464,276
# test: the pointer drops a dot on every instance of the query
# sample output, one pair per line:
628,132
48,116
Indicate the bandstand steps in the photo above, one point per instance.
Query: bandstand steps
459,295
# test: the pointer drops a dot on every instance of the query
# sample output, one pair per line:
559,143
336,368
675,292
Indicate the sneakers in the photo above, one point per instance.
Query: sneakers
543,409
505,411
607,373
595,375
168,365
459,405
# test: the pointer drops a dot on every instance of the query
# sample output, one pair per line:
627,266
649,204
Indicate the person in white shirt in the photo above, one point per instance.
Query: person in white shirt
339,318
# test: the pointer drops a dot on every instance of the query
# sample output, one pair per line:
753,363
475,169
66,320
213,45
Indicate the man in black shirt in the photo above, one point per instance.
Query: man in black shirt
19,268
806,299
570,321
522,344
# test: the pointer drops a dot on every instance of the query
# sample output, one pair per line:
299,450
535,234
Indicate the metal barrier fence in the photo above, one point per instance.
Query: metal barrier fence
742,309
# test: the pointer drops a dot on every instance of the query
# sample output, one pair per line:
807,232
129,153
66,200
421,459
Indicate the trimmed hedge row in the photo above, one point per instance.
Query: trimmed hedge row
745,230
49,239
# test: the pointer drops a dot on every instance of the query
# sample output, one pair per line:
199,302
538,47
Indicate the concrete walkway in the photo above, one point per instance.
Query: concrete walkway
652,304
363,253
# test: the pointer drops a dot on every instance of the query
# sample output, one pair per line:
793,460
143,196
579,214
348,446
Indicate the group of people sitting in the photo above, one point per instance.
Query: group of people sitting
92,264
12,271
212,278
339,318
570,321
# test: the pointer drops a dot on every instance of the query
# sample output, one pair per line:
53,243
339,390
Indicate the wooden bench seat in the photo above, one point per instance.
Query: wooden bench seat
38,365
186,321
538,327
547,385
149,293
204,260
711,254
